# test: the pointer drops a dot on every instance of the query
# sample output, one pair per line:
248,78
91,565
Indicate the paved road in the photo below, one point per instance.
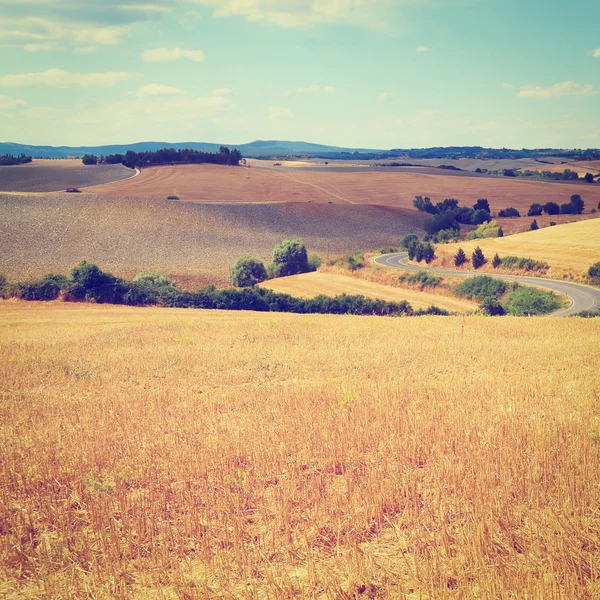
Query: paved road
583,297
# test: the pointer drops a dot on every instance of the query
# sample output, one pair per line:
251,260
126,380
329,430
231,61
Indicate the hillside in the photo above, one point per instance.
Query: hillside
198,454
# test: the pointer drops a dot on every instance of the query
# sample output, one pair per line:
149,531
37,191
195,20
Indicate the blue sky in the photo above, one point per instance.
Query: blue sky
360,73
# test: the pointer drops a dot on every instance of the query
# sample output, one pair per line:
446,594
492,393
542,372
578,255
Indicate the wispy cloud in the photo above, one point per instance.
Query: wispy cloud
558,90
384,96
164,54
63,79
277,113
86,49
329,89
7,103
155,89
422,49
44,47
507,86
596,53
222,92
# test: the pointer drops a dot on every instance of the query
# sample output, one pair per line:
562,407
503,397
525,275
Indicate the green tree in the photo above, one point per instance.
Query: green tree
424,205
594,271
477,259
589,178
535,210
551,208
89,159
289,258
482,204
534,225
409,240
248,271
496,261
460,257
578,203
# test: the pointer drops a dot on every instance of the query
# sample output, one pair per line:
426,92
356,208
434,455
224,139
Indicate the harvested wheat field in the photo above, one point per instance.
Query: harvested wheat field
209,183
57,175
194,243
568,249
310,285
158,453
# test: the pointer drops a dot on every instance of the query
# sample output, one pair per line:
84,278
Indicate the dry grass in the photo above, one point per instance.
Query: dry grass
568,249
209,183
193,243
155,453
310,285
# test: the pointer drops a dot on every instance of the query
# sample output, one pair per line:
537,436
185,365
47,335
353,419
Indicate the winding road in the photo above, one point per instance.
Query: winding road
583,297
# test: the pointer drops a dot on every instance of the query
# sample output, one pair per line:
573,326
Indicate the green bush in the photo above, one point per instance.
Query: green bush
290,258
385,250
424,279
485,231
492,307
314,262
531,301
523,264
594,271
480,287
496,261
92,284
46,289
248,271
509,212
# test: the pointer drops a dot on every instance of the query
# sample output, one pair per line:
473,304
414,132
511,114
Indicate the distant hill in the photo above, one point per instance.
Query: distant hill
280,149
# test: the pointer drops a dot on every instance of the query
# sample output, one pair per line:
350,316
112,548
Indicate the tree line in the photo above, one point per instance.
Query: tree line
132,160
7,160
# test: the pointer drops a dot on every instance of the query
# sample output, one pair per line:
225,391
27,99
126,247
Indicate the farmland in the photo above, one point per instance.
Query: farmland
568,249
310,285
156,453
57,175
191,242
209,183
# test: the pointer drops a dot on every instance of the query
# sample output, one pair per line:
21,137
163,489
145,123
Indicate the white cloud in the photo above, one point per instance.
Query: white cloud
596,53
329,89
155,89
222,92
86,49
63,79
507,86
384,97
7,103
164,54
310,89
300,13
44,47
277,113
567,88
422,49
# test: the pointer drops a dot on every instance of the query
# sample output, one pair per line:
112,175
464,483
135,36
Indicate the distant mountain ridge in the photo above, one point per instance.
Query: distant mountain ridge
281,148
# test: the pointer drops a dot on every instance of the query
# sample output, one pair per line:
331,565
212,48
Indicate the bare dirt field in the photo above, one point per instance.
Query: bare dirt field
208,183
57,175
310,285
194,243
150,453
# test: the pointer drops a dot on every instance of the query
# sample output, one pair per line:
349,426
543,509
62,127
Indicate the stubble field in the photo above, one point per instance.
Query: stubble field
157,453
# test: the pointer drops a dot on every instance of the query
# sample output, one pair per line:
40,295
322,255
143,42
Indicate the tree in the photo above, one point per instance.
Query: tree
535,210
289,258
89,159
594,271
424,205
480,216
447,204
509,212
551,208
460,257
578,203
482,204
409,240
534,225
477,259
568,209
248,271
496,261
589,178
428,253
439,222
492,306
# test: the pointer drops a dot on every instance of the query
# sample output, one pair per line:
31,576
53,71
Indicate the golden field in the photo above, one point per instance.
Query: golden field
158,454
310,285
568,249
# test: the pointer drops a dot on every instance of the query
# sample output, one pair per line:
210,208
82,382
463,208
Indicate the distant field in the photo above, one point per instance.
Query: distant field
568,249
57,175
309,285
580,168
208,183
194,243
155,453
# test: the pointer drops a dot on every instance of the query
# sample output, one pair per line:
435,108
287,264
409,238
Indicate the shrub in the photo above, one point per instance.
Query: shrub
315,261
482,204
524,264
460,258
447,204
424,279
425,205
92,284
578,203
534,226
551,208
480,287
422,251
594,271
446,236
535,210
496,262
530,301
409,240
509,212
492,306
248,271
477,259
568,209
486,230
46,289
290,258
480,216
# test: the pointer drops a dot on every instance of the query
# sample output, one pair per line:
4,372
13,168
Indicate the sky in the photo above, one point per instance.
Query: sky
353,73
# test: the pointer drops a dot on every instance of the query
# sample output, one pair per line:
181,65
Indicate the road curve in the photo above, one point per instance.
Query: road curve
583,297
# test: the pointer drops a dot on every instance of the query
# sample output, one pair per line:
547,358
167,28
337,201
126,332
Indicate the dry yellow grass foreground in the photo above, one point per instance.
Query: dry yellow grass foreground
310,285
568,249
156,453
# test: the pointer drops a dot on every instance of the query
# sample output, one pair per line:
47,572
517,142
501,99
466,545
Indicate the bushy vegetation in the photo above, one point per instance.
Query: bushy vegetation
423,279
480,287
486,230
594,272
248,271
8,160
531,301
408,240
535,210
523,264
551,208
290,258
351,261
448,215
534,226
89,283
460,258
509,213
421,251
